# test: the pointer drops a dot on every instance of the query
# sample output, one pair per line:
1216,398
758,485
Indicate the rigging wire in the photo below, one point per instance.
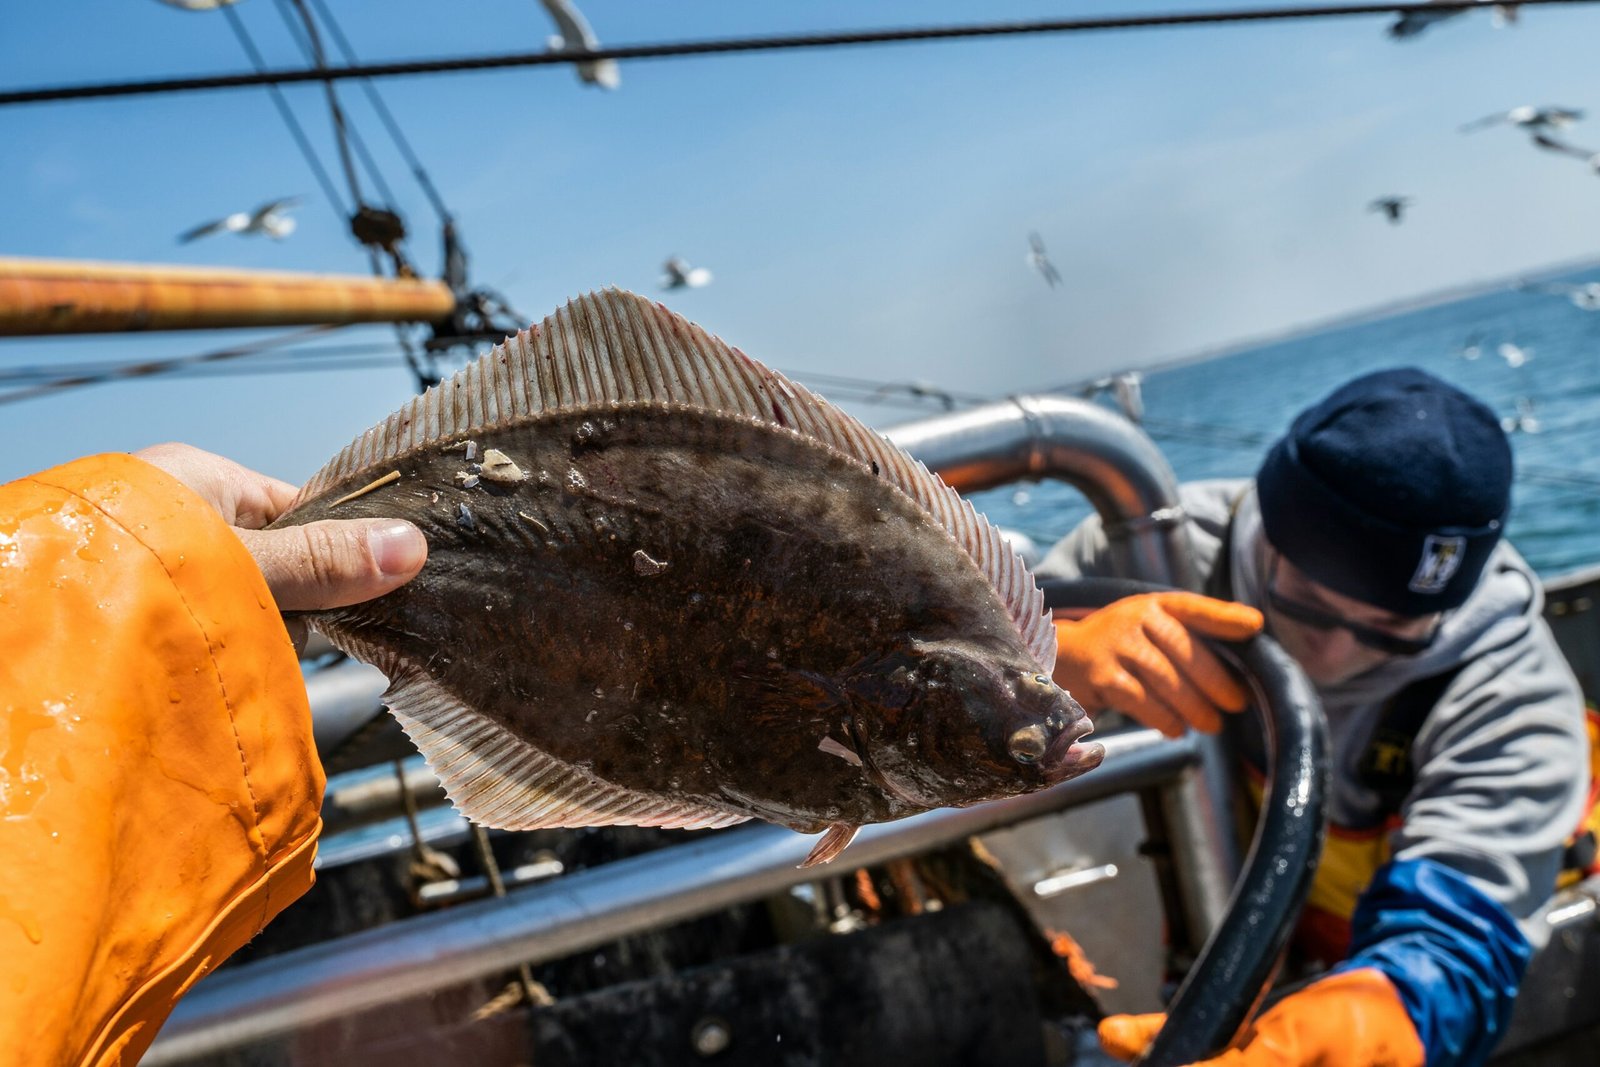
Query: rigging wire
282,104
304,32
251,368
341,137
913,390
401,143
729,46
147,368
269,357
345,133
309,356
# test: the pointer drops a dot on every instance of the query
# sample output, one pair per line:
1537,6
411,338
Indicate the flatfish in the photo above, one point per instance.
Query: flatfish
666,586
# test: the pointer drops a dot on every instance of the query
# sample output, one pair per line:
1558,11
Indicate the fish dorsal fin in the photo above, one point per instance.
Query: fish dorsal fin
614,347
496,779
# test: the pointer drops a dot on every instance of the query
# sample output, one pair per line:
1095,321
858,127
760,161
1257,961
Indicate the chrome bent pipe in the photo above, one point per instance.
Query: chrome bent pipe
1110,460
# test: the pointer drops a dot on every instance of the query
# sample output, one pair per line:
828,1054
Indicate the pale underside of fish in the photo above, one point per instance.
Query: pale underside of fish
668,587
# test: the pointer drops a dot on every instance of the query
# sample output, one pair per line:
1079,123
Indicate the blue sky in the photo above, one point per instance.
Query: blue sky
866,211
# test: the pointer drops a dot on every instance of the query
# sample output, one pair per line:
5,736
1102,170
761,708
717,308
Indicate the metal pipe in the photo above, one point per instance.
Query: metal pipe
592,907
356,798
438,827
46,297
1120,470
344,697
1206,859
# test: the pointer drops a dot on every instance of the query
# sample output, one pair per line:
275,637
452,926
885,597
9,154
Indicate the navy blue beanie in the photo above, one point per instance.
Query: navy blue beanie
1393,490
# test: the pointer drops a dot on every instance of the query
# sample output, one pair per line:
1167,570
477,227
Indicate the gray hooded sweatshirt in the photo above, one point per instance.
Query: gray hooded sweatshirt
1502,761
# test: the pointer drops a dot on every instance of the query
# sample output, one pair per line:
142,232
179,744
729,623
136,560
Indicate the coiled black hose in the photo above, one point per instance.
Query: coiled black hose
1233,970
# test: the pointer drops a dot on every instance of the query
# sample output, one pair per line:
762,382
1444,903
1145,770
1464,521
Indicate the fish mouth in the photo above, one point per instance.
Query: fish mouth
1065,758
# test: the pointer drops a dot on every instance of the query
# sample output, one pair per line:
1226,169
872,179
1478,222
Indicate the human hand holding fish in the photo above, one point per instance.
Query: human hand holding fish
327,564
668,587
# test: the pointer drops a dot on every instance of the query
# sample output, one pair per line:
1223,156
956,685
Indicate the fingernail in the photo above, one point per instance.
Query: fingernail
397,547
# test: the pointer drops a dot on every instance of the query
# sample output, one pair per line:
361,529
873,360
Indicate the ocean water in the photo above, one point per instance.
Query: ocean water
1217,418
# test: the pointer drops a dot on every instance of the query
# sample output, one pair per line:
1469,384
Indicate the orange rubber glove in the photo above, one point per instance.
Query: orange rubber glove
1142,656
1350,1019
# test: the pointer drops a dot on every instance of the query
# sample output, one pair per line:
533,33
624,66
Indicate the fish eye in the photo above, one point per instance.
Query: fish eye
1028,744
1041,679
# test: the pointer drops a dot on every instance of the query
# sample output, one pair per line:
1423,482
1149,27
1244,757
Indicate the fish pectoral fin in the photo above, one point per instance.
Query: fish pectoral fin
835,841
496,779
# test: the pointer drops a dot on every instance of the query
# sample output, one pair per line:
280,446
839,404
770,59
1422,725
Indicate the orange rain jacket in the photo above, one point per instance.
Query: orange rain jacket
159,789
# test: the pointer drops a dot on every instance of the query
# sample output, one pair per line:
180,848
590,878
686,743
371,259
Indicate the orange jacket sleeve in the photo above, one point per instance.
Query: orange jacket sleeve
159,789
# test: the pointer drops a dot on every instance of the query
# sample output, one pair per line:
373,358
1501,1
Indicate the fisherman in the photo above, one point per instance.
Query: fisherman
159,788
1370,543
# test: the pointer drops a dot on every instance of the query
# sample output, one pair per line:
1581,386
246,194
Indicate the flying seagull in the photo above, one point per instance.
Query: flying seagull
1514,355
1524,421
1126,388
576,36
1413,23
1529,118
270,218
1585,296
682,276
1550,144
1039,260
198,5
1393,207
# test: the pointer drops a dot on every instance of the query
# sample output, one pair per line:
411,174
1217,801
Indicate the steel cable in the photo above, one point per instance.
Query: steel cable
746,44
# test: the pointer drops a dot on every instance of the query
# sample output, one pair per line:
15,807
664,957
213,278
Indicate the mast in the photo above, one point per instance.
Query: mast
47,297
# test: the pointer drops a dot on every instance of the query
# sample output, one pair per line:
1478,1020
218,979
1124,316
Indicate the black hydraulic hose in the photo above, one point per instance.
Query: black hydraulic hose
1233,970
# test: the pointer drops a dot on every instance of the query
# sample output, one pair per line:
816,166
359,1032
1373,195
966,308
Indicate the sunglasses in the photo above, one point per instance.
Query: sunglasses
1378,640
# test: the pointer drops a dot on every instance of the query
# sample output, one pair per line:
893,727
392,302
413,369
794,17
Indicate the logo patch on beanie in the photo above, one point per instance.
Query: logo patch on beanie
1441,558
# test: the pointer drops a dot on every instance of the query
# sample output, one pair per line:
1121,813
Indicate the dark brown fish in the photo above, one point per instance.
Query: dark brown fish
668,587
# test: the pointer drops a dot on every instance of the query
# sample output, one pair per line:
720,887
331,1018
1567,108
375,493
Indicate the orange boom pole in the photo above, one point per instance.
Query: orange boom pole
45,296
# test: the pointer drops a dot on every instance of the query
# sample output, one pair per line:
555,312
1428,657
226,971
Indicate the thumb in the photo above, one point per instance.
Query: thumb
335,562
1127,1036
